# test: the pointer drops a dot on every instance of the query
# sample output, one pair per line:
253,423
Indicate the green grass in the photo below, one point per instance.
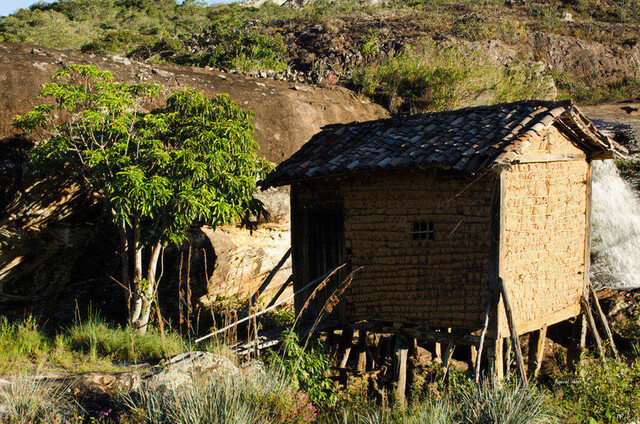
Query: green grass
90,345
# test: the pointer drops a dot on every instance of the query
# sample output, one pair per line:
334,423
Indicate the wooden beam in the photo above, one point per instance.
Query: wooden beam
592,326
536,351
603,320
514,332
282,289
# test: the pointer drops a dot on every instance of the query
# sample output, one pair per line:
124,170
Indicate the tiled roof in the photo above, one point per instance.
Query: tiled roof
470,140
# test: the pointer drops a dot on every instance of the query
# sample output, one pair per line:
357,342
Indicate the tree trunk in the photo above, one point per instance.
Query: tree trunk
147,292
138,295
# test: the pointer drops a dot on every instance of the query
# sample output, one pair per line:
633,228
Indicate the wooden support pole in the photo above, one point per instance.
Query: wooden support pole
603,320
362,351
483,335
508,347
514,333
446,359
347,339
536,351
494,359
401,351
592,326
576,344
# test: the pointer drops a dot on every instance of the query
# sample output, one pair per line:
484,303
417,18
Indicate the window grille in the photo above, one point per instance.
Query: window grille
422,230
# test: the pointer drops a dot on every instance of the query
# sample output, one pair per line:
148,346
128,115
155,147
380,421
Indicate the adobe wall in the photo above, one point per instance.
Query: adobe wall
439,282
544,235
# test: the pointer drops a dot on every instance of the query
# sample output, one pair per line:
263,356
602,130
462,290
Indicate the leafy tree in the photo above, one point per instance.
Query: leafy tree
156,172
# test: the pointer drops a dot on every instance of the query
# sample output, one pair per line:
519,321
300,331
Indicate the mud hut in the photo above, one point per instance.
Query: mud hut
447,215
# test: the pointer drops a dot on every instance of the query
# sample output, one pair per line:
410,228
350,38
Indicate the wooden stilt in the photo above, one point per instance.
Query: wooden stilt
576,343
592,326
446,358
347,339
603,320
536,351
507,356
438,352
483,334
494,359
473,357
362,351
401,350
514,333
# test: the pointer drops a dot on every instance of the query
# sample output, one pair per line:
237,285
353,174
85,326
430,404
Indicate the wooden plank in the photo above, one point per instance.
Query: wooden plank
594,330
603,320
514,332
536,351
550,157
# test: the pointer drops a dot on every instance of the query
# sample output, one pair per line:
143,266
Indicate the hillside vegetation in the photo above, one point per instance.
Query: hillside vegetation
482,49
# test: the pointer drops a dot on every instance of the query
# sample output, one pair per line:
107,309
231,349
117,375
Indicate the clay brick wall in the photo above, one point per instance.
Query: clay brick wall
440,282
543,250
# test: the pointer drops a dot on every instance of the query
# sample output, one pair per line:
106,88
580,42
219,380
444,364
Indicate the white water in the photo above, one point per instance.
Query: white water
616,229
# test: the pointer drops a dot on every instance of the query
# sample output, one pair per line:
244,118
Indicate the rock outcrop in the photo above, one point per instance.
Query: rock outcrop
55,247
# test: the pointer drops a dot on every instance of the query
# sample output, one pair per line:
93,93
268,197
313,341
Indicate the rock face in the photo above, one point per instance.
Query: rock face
55,247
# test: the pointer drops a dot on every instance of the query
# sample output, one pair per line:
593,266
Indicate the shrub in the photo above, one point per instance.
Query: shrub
426,78
308,367
606,394
233,48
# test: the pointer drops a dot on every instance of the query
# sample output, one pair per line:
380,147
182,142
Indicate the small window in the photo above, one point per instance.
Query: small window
422,230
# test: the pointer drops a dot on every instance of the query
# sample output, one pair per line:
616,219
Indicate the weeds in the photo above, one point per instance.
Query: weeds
606,394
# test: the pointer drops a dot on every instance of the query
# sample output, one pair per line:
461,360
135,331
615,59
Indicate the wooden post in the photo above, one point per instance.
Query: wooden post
362,351
536,351
448,353
507,356
576,343
514,333
483,334
401,351
592,326
603,320
347,339
438,352
494,359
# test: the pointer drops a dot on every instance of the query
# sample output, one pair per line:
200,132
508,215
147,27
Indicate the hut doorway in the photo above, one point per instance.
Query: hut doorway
323,249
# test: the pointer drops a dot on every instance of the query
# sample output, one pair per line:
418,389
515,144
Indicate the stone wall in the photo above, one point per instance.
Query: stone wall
440,282
543,247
